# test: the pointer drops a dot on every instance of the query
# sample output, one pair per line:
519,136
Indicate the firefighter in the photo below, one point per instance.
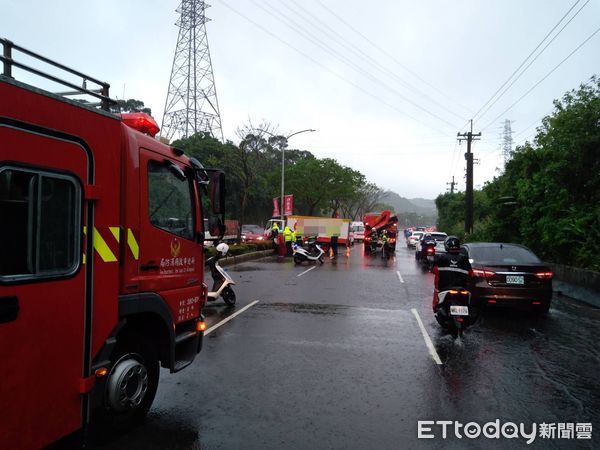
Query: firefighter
287,237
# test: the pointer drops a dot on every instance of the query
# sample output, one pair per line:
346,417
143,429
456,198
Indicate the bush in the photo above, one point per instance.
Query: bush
240,249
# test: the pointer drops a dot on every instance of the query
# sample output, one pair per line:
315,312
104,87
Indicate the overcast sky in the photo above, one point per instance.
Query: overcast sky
386,84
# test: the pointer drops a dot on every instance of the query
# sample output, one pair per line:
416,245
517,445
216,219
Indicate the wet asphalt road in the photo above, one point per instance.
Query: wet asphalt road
334,358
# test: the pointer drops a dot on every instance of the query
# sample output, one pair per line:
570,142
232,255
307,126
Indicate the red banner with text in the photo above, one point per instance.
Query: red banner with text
288,205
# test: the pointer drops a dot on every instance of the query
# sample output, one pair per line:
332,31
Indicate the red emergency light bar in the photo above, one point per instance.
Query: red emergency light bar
142,122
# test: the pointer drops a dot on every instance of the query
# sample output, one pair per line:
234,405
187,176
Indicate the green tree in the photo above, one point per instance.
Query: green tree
548,197
130,106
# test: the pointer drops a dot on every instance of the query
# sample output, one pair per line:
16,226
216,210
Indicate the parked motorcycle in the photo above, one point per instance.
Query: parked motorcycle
454,311
221,280
314,252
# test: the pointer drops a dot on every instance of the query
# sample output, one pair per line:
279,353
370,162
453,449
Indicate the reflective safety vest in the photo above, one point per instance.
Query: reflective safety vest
287,234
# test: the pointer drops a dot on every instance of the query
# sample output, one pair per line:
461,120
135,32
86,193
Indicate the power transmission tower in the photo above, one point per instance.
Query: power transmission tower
191,105
452,185
507,141
469,137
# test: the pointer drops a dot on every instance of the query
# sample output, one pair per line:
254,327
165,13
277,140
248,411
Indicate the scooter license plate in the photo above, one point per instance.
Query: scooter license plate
457,310
430,258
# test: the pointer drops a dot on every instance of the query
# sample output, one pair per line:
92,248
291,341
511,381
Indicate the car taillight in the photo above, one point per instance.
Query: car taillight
482,273
544,275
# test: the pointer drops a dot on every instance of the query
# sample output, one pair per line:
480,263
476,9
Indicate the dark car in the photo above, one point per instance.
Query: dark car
509,275
252,234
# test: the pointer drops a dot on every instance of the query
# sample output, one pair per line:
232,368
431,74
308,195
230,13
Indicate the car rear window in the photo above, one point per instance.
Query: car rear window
502,254
439,236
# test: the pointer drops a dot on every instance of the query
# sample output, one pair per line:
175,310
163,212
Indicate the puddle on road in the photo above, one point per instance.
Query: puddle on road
305,308
245,268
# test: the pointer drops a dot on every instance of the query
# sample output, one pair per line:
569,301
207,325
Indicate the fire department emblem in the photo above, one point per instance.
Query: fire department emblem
175,247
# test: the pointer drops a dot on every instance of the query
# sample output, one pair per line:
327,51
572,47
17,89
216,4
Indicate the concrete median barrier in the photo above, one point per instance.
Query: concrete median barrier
581,284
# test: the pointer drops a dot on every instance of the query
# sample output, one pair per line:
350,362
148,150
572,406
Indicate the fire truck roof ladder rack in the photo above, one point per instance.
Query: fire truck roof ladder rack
101,92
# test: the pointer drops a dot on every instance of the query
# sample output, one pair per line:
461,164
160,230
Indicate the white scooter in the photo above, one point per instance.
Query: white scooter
222,280
314,253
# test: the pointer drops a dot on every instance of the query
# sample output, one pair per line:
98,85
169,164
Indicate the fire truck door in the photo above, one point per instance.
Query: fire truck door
42,285
170,262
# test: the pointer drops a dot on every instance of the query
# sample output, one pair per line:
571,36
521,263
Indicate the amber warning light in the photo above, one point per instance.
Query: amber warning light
200,326
142,122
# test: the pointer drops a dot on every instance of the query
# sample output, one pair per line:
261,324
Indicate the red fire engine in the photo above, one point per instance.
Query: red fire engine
383,221
101,264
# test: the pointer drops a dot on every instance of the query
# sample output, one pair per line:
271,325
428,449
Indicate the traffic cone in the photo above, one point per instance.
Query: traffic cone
330,252
347,250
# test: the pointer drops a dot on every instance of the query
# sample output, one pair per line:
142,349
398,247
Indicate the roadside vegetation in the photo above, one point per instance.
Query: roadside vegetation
548,196
321,186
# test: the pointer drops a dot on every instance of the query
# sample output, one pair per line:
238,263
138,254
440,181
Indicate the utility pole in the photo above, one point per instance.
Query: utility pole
469,137
452,185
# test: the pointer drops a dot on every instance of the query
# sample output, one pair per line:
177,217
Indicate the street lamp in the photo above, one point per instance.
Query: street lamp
283,161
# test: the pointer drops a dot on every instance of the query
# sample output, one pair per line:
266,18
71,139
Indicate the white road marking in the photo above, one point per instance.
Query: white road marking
400,277
307,270
224,321
428,342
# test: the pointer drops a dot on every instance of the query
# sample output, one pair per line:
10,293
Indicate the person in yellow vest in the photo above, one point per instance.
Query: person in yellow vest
274,230
287,237
275,236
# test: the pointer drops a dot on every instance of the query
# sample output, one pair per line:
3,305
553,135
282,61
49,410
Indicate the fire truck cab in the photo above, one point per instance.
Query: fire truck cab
101,263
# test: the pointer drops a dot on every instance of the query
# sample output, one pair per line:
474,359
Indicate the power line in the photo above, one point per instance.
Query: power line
533,60
331,71
546,76
345,43
383,51
299,29
526,59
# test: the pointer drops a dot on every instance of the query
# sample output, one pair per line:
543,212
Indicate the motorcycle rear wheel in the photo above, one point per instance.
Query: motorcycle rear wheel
298,259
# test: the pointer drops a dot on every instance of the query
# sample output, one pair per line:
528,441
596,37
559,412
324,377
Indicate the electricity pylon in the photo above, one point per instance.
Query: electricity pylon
191,105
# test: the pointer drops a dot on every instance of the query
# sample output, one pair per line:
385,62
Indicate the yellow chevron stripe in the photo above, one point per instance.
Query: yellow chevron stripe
102,248
133,245
116,232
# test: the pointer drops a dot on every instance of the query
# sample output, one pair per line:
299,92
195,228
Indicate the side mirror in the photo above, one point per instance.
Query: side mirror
217,192
216,227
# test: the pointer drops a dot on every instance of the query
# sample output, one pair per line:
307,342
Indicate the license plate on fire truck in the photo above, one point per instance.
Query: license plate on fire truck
457,310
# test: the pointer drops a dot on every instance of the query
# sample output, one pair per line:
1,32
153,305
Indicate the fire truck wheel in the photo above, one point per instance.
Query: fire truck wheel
228,296
131,384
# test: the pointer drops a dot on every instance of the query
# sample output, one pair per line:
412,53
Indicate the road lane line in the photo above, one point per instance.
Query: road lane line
428,342
307,270
224,321
400,277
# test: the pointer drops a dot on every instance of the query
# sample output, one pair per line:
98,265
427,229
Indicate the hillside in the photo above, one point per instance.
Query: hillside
403,205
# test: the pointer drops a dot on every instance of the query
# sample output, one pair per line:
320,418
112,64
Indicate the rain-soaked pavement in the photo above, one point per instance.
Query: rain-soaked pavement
333,357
